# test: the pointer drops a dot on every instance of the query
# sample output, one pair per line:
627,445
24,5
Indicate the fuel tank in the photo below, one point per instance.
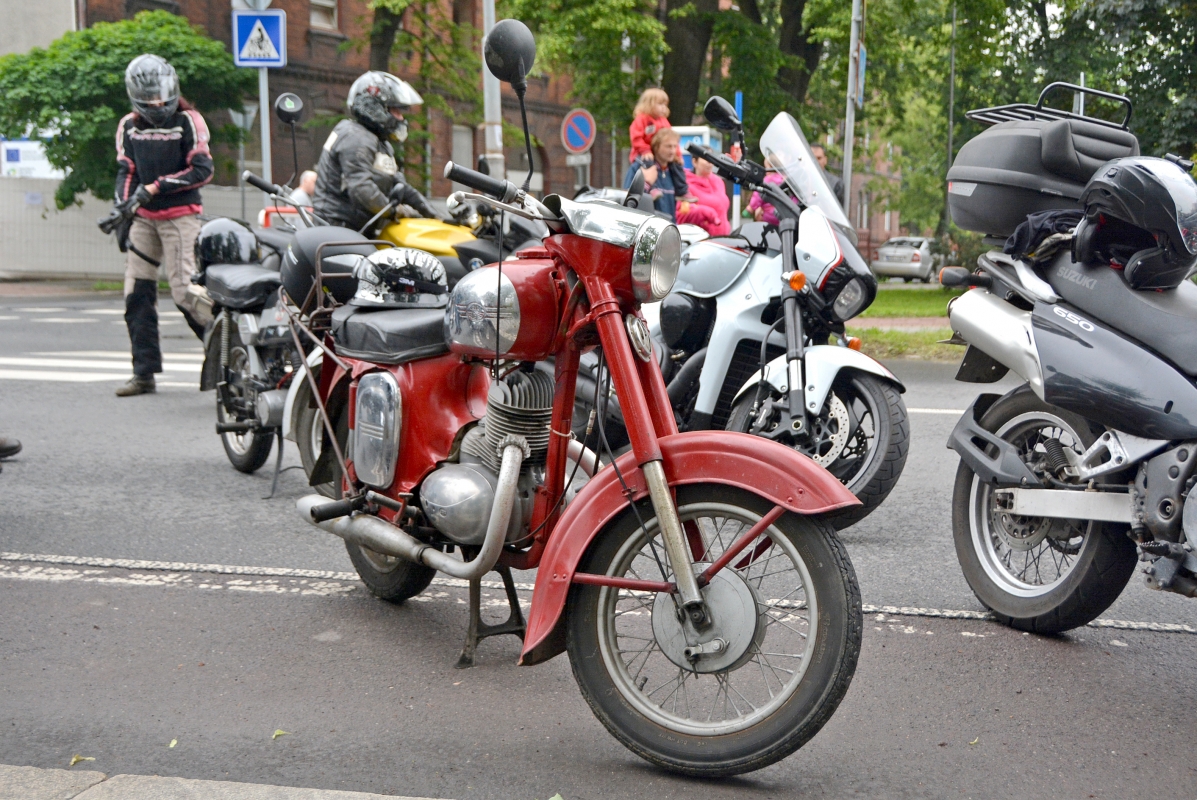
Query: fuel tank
429,235
1100,374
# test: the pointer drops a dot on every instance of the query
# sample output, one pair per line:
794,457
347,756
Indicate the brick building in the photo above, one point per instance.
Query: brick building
327,48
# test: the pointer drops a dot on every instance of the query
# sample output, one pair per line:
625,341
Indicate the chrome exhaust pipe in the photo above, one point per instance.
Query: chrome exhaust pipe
391,540
1001,331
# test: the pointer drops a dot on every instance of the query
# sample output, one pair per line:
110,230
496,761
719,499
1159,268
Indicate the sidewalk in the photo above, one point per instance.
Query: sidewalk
72,288
31,783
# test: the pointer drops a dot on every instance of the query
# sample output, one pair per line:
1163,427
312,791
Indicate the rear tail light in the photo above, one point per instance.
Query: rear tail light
916,258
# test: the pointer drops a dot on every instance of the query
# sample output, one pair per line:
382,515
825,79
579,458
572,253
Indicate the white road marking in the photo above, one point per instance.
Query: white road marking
61,377
8,318
953,411
112,311
63,319
79,363
324,583
38,309
115,354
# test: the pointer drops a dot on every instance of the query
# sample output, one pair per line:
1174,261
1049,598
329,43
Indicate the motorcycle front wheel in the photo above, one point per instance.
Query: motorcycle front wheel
247,451
786,624
1034,573
861,436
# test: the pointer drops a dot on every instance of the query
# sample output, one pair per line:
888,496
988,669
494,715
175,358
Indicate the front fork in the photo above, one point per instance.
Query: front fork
794,333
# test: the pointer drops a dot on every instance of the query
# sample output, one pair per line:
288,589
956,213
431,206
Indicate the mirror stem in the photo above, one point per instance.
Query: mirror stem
520,89
294,156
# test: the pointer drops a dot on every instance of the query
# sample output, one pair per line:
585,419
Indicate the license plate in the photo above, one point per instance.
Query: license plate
897,258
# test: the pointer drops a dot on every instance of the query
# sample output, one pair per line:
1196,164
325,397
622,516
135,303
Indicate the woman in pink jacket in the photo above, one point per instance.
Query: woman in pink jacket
710,212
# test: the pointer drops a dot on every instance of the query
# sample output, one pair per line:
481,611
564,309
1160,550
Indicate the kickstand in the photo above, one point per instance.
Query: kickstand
278,463
478,629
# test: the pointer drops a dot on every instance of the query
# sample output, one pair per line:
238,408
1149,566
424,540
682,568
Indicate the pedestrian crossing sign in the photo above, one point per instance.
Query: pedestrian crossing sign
260,38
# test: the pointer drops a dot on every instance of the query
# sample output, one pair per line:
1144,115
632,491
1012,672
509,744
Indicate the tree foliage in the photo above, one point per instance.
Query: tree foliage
73,92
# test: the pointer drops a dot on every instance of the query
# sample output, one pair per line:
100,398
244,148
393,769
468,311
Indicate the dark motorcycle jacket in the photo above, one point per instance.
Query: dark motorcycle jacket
356,172
174,155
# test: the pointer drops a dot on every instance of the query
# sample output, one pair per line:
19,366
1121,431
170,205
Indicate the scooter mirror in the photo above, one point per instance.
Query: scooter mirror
288,108
722,114
510,51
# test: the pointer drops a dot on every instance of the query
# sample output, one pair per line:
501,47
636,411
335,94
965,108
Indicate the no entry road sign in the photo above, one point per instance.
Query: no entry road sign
578,131
260,38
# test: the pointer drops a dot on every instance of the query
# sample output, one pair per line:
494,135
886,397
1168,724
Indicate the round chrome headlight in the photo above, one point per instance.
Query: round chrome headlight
656,257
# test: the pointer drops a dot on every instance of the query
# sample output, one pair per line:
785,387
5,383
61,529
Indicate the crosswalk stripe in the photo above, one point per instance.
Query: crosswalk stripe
59,377
79,363
113,354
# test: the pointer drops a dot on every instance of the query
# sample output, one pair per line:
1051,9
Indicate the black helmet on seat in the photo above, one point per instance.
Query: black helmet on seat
1141,214
226,241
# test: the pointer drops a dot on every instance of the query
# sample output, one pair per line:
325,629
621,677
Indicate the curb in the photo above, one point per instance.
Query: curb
32,783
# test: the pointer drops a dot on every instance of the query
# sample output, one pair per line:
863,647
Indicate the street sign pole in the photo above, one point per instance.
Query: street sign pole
850,114
492,107
264,119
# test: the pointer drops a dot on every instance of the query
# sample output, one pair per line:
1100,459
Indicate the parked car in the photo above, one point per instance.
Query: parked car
907,257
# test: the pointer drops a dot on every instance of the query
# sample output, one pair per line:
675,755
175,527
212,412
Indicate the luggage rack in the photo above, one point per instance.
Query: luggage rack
1018,112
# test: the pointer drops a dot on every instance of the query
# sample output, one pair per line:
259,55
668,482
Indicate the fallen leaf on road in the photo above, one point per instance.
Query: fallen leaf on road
173,742
75,759
974,741
279,733
557,797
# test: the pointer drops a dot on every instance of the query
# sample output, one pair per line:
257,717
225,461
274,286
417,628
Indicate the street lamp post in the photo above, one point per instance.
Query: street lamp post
850,113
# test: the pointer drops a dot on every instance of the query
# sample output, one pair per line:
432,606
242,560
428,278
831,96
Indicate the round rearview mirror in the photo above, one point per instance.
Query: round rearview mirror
510,51
722,114
288,108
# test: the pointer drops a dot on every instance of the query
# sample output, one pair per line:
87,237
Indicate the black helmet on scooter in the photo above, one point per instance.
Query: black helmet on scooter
226,241
153,88
1141,214
371,98
401,278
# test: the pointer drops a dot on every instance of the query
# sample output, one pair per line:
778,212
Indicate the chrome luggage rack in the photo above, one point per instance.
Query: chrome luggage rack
1016,112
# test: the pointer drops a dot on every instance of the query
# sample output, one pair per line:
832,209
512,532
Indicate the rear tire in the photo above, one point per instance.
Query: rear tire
813,638
1092,561
248,451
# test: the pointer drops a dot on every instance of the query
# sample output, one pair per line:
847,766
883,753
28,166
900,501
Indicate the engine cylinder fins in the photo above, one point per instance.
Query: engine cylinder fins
519,405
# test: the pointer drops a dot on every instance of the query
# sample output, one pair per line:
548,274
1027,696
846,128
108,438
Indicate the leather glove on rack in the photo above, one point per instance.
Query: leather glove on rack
404,194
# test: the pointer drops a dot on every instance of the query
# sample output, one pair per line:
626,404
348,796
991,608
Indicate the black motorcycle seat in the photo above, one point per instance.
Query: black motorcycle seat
1164,321
389,336
241,286
274,239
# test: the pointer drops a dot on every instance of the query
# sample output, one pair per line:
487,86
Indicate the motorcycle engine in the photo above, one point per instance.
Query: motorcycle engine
458,498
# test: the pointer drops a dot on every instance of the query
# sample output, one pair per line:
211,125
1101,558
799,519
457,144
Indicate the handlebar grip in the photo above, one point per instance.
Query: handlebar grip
504,191
258,183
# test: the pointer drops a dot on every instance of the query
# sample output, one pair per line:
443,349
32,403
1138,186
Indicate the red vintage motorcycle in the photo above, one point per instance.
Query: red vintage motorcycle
711,615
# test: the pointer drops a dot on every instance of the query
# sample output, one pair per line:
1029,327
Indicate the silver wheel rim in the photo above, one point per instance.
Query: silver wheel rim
719,703
1027,557
239,443
378,561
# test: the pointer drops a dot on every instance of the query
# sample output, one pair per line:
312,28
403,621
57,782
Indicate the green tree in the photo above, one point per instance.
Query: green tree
73,92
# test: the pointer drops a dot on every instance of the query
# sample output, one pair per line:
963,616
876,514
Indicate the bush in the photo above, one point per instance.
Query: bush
73,92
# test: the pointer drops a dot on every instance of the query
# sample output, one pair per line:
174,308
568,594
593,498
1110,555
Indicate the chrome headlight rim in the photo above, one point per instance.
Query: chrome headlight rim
656,259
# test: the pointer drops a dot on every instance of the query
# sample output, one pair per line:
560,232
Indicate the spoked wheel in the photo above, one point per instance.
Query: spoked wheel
1035,573
861,437
781,649
249,450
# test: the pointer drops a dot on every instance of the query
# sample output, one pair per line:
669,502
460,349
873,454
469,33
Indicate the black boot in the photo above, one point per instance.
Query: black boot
141,317
192,323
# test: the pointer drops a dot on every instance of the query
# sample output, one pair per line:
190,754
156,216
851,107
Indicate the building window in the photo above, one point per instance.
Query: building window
862,210
324,14
887,221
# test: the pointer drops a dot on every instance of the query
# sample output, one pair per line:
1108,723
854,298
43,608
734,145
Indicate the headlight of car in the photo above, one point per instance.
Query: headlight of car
850,301
656,257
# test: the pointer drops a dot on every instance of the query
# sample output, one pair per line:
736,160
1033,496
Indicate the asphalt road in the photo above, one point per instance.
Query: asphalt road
114,663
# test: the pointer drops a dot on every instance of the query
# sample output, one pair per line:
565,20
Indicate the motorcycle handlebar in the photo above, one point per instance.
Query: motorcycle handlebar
503,191
258,183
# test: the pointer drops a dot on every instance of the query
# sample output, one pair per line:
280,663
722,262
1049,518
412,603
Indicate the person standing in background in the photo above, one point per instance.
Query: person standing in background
710,212
162,161
837,183
303,195
650,117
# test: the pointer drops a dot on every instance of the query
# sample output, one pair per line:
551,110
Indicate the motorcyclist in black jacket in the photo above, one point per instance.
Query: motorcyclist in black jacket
358,175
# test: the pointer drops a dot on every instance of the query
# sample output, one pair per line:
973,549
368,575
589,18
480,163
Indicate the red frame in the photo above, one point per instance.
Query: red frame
443,394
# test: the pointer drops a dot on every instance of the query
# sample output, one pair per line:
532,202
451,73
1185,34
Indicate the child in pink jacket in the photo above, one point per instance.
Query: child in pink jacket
710,212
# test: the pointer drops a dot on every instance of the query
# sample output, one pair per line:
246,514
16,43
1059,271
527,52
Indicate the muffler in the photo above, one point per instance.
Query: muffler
382,537
1001,331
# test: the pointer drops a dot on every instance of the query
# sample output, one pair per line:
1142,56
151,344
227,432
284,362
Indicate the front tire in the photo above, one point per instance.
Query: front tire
862,436
789,612
308,426
1036,574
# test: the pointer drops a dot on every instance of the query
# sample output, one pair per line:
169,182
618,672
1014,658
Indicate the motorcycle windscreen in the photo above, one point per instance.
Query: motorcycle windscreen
785,150
708,268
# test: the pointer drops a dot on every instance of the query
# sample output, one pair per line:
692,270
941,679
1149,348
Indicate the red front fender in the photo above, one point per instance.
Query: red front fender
766,468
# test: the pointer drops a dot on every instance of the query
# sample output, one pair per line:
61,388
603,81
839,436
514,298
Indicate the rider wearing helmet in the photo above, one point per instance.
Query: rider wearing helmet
1140,217
162,161
357,175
